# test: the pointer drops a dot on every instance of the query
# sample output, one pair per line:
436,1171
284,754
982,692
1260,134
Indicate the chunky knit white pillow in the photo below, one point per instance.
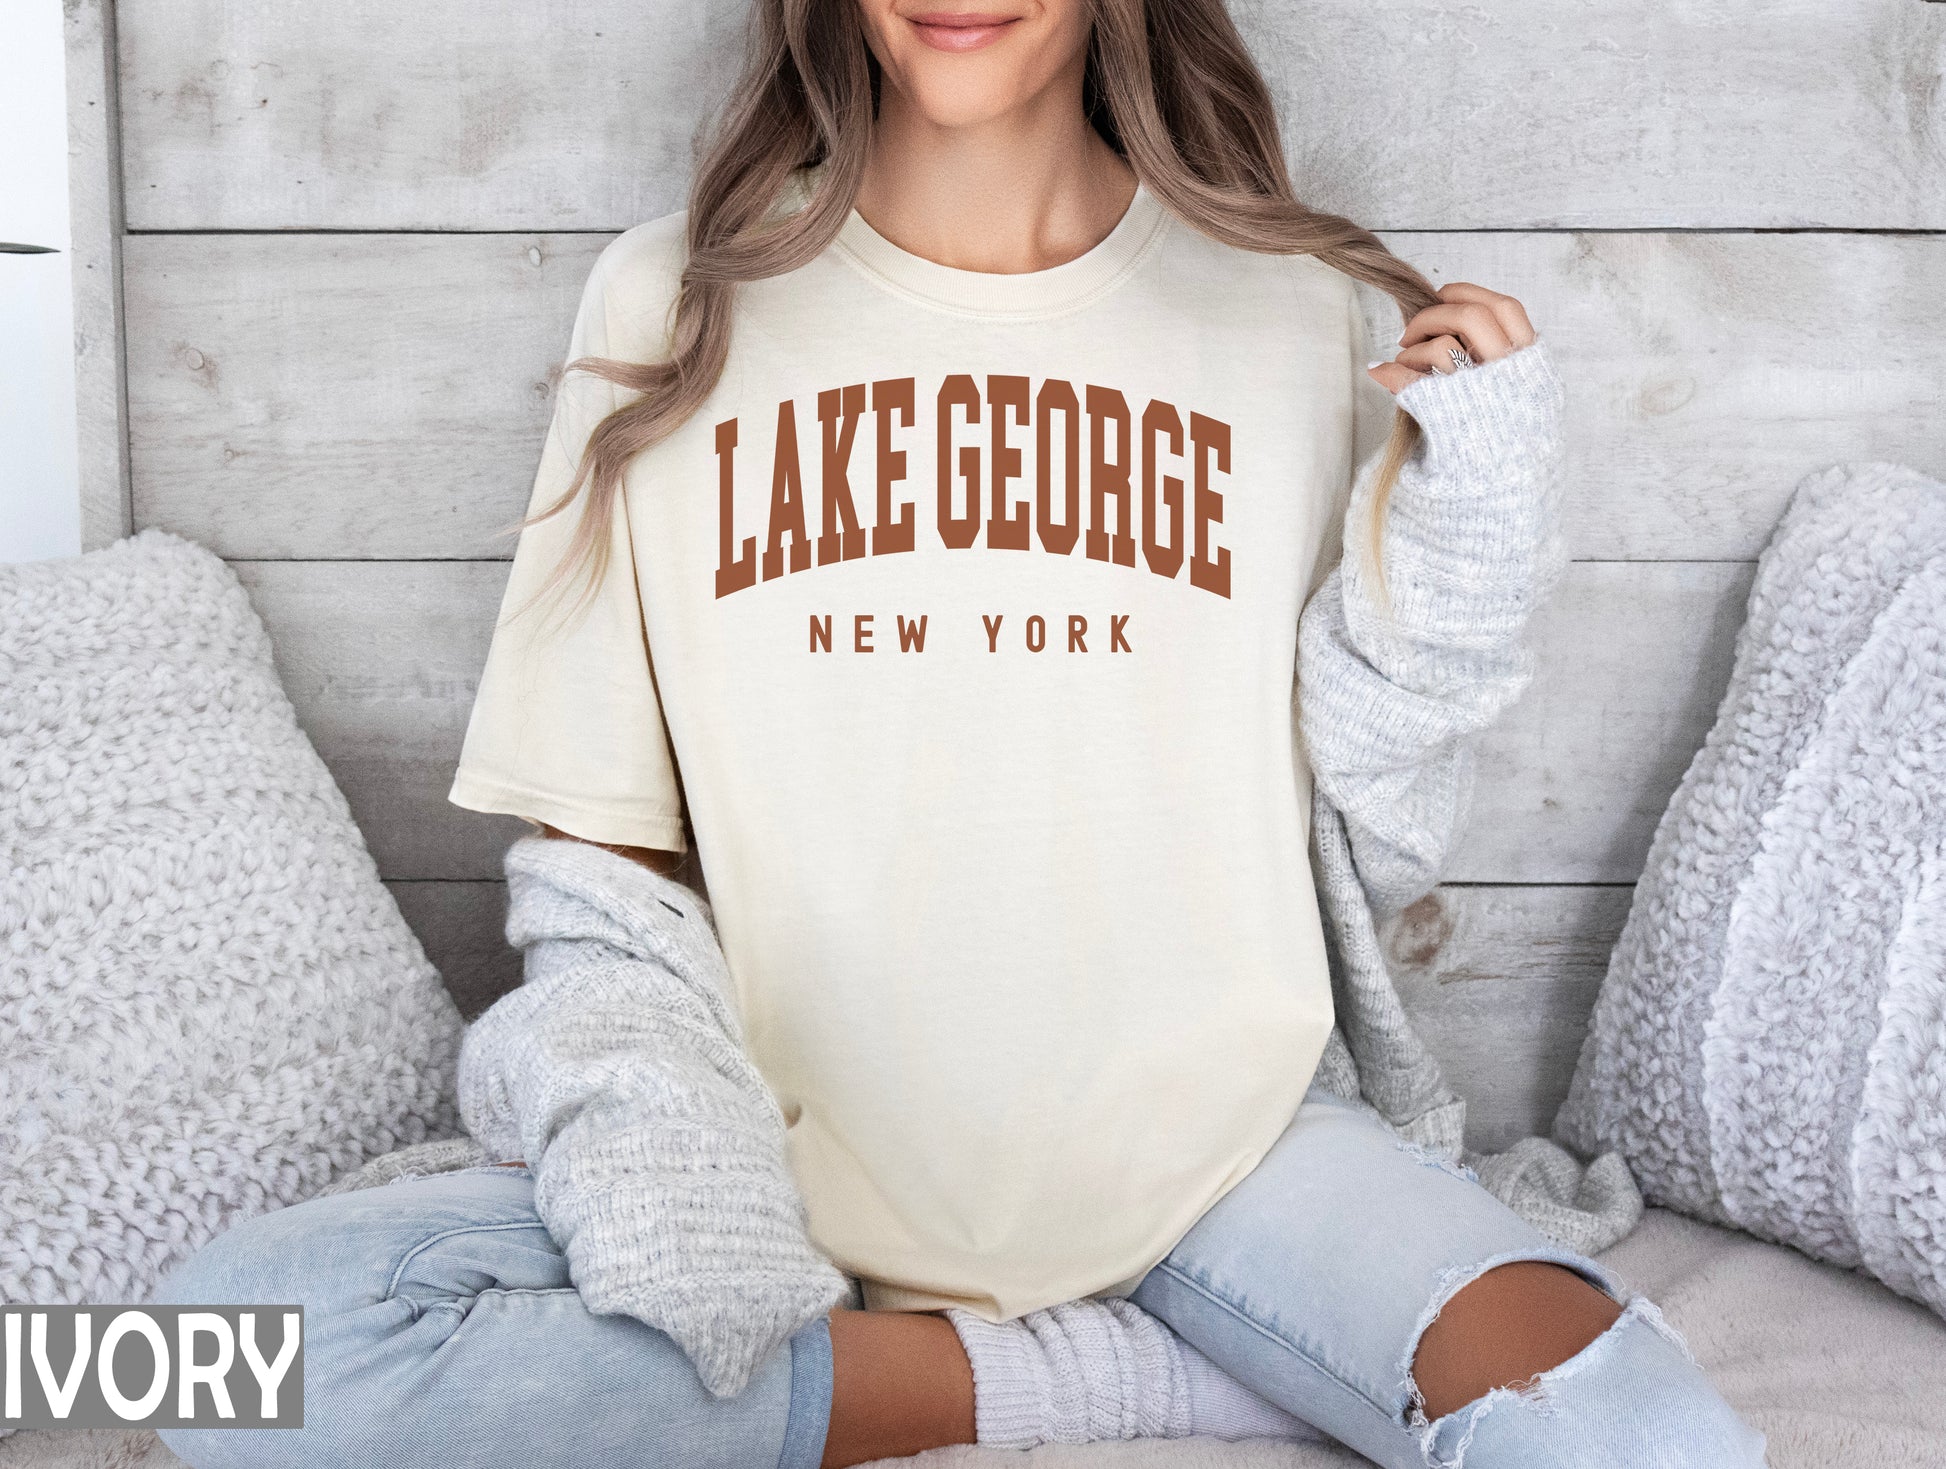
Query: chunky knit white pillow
1769,1047
209,1004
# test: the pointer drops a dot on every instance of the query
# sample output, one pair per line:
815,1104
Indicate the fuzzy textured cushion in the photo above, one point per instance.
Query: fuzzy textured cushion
1769,1047
211,1005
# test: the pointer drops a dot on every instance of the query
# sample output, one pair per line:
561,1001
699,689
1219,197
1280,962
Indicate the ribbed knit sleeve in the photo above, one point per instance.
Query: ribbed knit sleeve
1393,684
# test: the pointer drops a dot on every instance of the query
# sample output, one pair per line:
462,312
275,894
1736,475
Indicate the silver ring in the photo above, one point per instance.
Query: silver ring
1461,358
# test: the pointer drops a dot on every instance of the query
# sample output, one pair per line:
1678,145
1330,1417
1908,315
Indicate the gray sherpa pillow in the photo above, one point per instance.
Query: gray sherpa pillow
209,1004
1769,1047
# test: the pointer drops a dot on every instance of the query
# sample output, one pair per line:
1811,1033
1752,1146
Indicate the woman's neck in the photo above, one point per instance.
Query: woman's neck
1026,191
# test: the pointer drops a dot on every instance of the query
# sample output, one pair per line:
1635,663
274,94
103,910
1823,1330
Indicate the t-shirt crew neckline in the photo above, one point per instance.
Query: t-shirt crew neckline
1027,294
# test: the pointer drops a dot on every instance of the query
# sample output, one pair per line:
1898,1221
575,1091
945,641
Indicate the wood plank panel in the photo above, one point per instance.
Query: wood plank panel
494,114
385,396
447,114
347,396
463,926
1501,981
1707,374
1632,661
381,660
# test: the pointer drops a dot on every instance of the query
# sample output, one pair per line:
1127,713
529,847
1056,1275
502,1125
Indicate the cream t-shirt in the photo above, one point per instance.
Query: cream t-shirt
961,620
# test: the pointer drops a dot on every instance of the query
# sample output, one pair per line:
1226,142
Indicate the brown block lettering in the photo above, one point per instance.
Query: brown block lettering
958,531
1007,528
891,397
786,499
1057,396
840,536
1108,477
1211,438
1164,557
735,570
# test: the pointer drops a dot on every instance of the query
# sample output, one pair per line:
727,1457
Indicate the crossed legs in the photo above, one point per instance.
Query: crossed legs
1388,1300
902,1383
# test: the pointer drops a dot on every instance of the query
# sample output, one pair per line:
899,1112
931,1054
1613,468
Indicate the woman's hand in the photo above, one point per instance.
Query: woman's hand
1483,323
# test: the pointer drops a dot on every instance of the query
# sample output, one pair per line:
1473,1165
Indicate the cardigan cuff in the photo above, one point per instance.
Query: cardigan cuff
1471,534
1491,404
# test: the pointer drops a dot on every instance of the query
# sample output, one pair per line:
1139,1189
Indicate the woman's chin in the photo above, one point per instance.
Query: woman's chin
962,98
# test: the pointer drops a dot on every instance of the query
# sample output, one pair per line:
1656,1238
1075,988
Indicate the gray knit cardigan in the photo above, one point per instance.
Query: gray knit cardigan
1393,684
618,1071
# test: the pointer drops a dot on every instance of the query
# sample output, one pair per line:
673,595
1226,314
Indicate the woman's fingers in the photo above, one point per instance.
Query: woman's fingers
1484,324
1392,376
1415,362
1435,355
1473,323
1511,315
1489,323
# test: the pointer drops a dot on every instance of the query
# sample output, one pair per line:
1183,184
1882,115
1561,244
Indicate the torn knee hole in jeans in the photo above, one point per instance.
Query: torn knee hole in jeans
1457,1427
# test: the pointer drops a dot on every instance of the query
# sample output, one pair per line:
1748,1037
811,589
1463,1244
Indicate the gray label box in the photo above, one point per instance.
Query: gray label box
151,1366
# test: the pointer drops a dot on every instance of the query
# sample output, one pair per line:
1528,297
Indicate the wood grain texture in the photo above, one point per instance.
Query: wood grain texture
497,115
448,114
463,928
1501,981
1707,374
345,396
1632,662
381,660
378,396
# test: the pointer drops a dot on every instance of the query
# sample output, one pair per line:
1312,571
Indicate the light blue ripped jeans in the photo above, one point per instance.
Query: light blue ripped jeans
441,1328
1311,1281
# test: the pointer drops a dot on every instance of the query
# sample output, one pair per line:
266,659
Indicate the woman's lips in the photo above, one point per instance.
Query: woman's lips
960,31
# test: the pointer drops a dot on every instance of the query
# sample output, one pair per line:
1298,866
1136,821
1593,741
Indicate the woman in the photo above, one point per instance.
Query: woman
970,449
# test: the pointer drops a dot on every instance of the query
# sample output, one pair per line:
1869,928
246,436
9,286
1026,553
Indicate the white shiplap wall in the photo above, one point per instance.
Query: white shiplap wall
356,234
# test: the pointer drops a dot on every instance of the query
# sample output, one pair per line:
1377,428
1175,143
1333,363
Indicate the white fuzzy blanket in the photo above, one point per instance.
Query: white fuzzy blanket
1839,1372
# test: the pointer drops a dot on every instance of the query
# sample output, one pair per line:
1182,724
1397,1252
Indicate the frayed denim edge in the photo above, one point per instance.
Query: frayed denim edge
1436,1158
1532,1389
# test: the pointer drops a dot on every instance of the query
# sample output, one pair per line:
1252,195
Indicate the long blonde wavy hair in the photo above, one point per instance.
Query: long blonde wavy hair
1170,87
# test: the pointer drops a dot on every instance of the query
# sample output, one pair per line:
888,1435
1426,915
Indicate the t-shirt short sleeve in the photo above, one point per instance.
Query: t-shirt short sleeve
566,727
